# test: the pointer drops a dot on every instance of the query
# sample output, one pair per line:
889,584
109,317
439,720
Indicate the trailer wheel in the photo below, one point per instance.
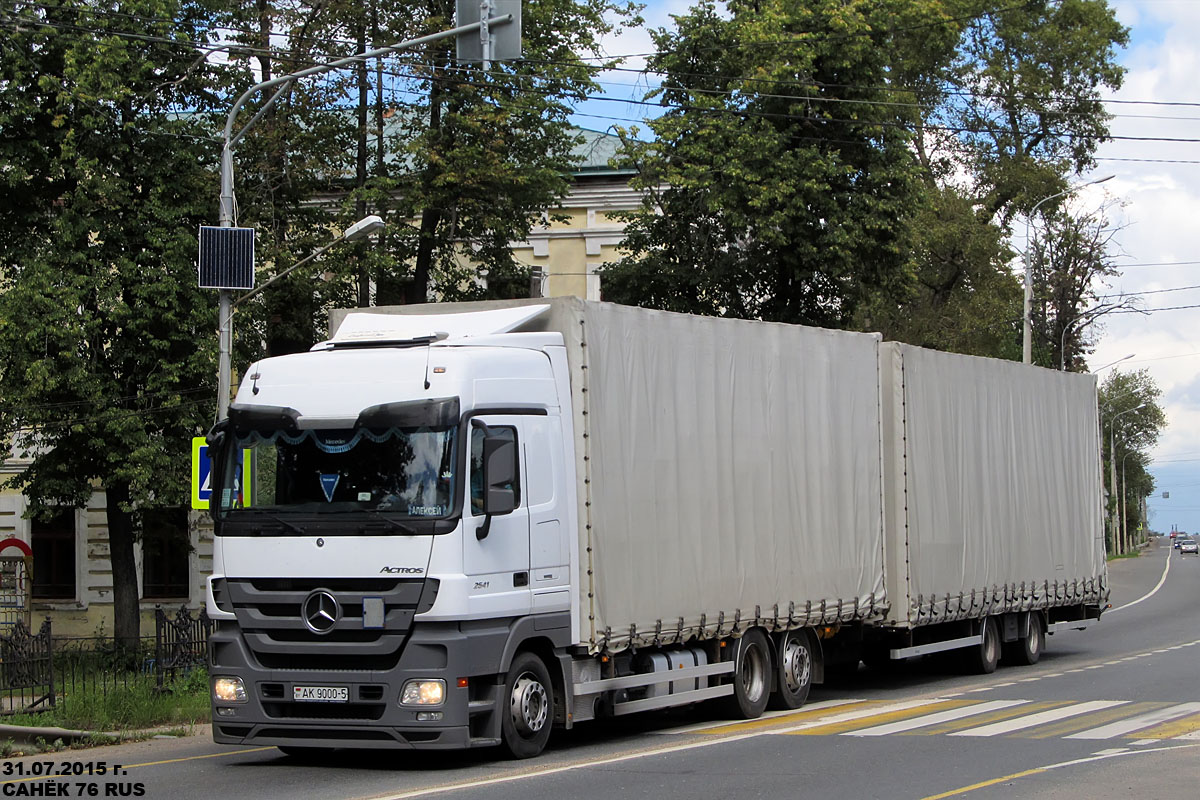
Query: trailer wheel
1026,651
526,706
984,657
751,676
793,671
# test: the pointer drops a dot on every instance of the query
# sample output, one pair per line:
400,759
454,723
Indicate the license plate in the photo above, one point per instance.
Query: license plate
320,694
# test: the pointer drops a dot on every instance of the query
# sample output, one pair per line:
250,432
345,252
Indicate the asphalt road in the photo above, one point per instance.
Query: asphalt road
1107,713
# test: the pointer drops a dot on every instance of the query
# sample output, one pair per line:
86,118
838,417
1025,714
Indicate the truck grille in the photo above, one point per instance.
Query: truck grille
270,613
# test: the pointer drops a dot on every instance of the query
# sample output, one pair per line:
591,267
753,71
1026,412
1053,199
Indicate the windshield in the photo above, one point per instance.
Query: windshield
405,472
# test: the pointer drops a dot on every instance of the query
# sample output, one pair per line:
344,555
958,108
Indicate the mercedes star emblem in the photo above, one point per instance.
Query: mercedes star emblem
320,611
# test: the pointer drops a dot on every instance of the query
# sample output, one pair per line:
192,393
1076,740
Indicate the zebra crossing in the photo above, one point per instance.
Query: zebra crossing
1034,719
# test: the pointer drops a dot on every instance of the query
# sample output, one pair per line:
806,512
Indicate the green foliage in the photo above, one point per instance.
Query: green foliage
780,182
1131,421
135,706
105,339
962,297
458,161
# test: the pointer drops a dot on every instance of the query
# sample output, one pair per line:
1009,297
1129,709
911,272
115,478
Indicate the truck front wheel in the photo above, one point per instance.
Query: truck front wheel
527,707
751,676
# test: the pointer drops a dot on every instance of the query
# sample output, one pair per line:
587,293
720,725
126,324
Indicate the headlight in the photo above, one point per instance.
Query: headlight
229,690
423,693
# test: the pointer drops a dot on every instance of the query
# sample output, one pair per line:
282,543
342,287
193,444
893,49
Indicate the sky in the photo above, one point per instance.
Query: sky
1154,203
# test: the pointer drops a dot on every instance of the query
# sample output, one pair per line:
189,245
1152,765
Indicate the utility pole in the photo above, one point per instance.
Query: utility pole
504,43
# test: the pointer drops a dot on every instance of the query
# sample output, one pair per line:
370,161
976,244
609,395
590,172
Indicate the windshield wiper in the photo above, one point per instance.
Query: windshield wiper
283,523
393,524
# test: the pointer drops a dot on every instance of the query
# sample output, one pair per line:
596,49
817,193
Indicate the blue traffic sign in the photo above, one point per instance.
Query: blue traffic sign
202,476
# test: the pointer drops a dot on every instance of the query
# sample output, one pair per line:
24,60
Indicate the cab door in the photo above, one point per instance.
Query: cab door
496,553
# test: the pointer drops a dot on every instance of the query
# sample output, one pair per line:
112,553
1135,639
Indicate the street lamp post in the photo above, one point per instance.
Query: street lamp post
359,230
1112,465
1027,328
282,84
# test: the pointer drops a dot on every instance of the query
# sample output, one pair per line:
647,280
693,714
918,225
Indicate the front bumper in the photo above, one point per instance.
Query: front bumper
371,716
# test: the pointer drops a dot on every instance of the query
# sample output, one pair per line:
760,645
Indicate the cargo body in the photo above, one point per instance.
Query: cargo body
993,505
465,524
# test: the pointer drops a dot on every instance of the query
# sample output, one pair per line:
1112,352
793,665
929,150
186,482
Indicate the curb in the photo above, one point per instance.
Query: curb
26,735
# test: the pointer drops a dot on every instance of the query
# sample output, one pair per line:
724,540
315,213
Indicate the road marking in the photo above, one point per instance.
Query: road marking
935,719
769,718
985,784
1151,593
868,708
1047,768
1041,718
1056,730
1137,723
873,717
1175,729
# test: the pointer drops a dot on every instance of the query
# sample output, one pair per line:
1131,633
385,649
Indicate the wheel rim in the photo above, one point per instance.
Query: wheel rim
529,704
753,673
797,665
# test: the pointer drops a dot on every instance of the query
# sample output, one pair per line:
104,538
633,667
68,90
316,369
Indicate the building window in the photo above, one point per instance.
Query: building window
54,556
165,547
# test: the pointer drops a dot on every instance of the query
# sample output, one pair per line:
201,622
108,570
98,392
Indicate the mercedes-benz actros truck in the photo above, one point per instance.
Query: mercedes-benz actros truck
466,525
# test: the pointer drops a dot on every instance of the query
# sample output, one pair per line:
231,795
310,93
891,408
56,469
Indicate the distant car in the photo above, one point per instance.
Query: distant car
1178,541
1189,546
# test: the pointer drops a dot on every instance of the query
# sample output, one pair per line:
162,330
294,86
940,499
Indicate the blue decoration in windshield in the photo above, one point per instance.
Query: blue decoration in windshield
329,484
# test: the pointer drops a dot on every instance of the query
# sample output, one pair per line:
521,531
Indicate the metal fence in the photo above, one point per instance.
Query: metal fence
38,670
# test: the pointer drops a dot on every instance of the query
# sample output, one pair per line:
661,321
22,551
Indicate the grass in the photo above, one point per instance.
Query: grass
1132,554
184,704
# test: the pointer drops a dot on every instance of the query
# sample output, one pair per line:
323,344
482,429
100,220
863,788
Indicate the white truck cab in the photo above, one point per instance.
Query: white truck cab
405,525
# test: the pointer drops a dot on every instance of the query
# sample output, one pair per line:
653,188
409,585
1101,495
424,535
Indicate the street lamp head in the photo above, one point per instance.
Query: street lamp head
1100,180
1113,363
362,228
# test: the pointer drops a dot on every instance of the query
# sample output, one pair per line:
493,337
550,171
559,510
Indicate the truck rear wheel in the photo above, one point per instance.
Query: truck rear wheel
527,707
1028,649
793,671
984,657
751,676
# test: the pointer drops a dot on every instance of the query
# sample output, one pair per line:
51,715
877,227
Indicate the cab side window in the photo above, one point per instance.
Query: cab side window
506,432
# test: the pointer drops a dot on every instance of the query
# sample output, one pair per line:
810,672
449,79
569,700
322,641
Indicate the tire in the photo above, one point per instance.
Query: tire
1026,651
793,671
983,658
526,707
751,676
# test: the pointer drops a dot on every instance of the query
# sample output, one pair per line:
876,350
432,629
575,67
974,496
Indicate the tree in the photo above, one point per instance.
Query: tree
106,346
1131,421
962,297
779,183
1008,110
1069,262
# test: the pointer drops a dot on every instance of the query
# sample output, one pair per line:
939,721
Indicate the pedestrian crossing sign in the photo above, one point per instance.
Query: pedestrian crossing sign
202,476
